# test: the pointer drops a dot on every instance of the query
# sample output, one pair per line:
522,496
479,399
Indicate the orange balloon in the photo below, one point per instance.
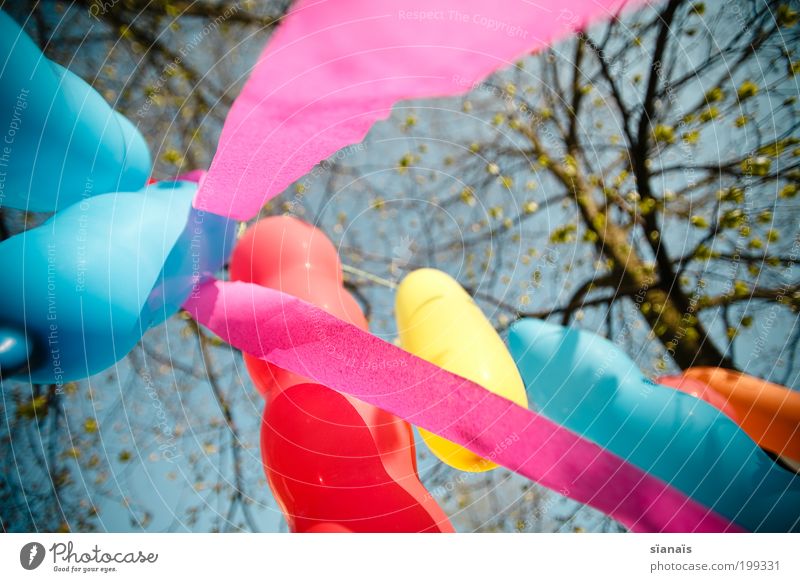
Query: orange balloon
769,413
333,462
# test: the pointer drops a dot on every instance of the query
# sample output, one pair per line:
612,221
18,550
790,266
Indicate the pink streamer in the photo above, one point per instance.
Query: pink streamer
335,67
306,340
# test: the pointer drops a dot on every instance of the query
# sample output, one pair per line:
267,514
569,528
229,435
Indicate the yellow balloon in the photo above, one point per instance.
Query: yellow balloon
438,321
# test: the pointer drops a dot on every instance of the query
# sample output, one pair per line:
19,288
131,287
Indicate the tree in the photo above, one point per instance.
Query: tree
639,180
676,181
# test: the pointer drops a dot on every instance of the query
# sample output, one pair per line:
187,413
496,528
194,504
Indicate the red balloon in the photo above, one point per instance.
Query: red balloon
328,528
324,467
332,461
278,244
288,254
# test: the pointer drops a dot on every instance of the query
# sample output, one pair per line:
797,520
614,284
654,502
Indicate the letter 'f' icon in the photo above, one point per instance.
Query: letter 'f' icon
31,555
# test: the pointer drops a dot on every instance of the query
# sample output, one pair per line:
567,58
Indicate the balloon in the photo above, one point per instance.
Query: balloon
278,243
288,254
769,413
438,321
328,528
15,351
324,466
699,390
332,461
85,285
589,385
64,143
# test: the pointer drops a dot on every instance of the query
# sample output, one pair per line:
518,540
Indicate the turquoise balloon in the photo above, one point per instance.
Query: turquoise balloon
15,351
586,383
60,142
84,286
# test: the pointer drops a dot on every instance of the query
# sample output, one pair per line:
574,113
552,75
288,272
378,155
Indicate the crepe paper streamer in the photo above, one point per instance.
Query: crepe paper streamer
438,321
63,142
587,384
699,390
333,68
769,413
84,286
332,461
305,339
197,176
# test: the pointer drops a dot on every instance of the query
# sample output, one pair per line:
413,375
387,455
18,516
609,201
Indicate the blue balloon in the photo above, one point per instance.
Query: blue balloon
15,351
84,286
60,142
586,383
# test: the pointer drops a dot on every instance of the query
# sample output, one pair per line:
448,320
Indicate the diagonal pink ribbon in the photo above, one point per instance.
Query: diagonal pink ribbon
335,67
306,340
